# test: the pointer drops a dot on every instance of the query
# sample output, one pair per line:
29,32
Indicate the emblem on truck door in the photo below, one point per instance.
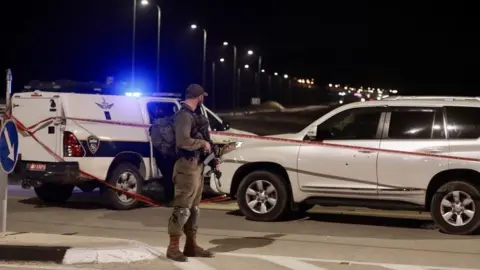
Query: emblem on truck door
93,143
104,104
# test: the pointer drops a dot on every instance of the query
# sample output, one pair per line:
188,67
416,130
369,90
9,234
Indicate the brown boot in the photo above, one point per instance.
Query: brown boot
173,250
192,249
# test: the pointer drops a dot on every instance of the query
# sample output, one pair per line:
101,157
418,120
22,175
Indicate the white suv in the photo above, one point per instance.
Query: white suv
398,153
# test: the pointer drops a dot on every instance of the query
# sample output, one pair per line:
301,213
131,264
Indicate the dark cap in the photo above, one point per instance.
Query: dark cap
194,91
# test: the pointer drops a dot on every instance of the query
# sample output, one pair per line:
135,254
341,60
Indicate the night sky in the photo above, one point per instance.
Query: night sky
415,46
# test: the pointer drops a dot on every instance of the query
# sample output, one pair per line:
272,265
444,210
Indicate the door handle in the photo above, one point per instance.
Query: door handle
365,151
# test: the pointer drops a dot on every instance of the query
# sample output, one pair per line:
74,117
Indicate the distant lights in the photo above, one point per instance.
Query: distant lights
285,76
225,43
193,26
249,52
275,74
247,66
222,60
263,70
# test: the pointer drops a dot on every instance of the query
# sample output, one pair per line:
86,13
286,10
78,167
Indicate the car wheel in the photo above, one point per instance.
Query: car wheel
263,196
455,208
54,193
125,176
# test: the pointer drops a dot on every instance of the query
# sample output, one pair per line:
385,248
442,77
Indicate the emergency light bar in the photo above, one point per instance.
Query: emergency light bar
66,86
177,95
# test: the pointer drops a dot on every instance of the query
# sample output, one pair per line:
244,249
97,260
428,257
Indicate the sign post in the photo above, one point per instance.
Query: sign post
8,160
12,145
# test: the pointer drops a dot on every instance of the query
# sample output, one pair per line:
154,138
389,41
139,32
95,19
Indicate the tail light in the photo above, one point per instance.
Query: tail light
71,145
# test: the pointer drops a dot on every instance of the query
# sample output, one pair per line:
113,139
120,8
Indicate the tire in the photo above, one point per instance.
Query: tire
115,198
54,193
278,211
465,190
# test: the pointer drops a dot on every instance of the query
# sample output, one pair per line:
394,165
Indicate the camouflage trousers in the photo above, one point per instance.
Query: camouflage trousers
188,181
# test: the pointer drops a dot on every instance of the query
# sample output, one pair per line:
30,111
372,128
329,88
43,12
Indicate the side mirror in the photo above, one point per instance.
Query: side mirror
312,133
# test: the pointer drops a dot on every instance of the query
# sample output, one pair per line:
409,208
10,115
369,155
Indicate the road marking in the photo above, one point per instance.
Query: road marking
191,264
384,265
292,263
402,267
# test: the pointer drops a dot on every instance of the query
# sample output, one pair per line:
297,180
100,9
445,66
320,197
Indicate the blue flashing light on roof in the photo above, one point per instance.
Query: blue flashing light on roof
133,94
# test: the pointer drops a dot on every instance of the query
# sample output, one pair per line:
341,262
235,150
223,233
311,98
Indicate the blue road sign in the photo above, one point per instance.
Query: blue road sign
9,146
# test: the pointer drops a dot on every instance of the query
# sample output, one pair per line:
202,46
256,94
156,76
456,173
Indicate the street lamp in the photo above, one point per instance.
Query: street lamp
285,76
159,21
144,3
275,73
263,70
250,52
234,71
204,57
222,60
247,66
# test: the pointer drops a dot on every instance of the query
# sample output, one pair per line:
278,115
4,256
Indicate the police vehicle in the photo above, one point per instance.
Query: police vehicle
120,154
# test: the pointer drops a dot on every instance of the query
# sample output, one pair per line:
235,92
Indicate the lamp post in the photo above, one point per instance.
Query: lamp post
204,56
159,21
259,71
133,40
234,69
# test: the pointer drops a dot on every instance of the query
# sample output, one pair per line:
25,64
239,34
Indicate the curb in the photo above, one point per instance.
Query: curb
53,254
133,251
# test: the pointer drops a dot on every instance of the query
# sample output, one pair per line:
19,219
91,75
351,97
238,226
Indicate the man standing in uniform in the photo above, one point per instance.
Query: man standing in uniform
188,179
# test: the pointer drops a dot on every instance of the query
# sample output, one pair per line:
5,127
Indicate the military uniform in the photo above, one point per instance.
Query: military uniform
188,180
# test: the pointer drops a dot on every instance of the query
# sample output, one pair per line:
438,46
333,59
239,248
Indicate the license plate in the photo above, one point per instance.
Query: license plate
36,167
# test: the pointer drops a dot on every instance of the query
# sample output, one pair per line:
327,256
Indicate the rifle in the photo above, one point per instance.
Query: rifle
209,159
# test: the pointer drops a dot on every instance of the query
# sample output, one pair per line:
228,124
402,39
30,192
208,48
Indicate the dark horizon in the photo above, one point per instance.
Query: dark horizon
424,48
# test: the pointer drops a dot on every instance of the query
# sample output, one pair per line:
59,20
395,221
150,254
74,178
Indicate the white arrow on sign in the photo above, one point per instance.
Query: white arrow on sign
9,145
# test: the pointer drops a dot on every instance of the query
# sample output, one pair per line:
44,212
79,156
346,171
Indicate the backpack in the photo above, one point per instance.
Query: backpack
162,133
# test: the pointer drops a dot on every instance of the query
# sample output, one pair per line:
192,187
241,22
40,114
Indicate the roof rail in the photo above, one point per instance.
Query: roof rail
430,98
163,94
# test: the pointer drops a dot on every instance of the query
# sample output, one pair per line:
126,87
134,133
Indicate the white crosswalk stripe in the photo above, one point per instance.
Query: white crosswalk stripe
292,263
297,263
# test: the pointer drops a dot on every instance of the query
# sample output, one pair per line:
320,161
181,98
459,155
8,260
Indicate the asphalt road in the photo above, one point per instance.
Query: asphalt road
315,239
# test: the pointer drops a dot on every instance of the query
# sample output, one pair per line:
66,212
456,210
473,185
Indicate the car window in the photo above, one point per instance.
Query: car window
160,109
412,123
463,122
354,124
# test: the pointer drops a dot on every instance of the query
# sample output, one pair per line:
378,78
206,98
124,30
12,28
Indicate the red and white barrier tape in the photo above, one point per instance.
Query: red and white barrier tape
144,199
266,138
136,196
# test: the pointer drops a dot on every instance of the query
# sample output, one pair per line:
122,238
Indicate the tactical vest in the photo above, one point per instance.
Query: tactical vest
193,133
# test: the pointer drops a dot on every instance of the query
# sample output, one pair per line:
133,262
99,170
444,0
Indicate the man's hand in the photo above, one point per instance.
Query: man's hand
206,146
217,164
